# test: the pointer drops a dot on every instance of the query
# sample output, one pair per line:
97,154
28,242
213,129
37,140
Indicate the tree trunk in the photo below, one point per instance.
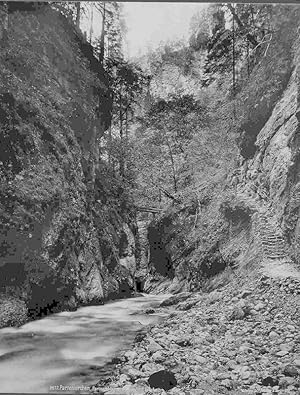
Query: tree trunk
248,61
250,37
233,56
78,8
4,27
121,135
126,123
92,21
121,115
172,164
109,145
102,37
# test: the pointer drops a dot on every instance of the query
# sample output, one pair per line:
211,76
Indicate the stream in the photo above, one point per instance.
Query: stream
71,348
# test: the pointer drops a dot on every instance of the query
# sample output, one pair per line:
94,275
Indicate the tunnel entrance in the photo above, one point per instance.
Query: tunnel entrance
139,284
160,258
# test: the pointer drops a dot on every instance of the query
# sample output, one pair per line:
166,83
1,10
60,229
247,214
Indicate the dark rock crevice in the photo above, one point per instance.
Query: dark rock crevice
160,258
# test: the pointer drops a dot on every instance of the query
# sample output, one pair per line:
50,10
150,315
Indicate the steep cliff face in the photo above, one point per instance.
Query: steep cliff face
275,166
252,216
61,223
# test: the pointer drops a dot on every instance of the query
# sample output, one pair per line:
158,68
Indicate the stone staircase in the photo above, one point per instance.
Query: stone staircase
271,238
268,234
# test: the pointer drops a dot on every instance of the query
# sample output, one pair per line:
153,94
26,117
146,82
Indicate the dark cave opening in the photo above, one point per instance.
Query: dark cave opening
139,284
125,290
160,258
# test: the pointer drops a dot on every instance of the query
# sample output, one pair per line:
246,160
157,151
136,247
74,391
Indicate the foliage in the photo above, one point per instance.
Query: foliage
236,40
200,29
109,44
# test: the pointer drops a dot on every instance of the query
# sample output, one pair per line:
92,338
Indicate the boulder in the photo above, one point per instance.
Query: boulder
164,379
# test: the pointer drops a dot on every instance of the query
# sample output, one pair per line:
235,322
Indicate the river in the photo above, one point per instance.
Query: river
70,348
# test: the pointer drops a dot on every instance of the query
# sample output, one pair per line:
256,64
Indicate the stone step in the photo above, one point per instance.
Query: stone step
274,252
282,253
270,249
272,237
276,257
273,243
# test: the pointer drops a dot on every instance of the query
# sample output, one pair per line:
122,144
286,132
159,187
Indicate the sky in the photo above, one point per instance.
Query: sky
150,23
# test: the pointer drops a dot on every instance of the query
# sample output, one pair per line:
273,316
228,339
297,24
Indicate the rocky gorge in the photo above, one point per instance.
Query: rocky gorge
238,332
56,202
242,338
78,228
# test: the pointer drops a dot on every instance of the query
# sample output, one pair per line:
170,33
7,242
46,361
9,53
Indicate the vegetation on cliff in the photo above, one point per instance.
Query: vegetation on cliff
90,138
197,136
64,208
176,171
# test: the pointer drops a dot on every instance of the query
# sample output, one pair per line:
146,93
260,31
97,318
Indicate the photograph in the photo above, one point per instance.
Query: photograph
150,197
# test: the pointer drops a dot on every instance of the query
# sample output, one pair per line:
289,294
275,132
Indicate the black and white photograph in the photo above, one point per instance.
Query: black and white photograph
150,197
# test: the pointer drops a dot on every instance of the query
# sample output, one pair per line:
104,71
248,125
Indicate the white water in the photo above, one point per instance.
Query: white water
70,348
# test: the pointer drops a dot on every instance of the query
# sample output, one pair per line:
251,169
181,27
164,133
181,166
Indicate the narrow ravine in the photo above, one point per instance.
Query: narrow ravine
70,348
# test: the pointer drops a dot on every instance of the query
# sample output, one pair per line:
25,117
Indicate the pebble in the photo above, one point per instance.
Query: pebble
244,340
282,353
259,306
290,371
153,346
297,363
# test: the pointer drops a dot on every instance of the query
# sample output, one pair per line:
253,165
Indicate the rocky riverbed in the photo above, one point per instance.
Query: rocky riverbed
243,338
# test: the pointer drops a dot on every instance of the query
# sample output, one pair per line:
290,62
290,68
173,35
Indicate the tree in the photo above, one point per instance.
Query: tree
230,46
200,29
69,9
127,82
165,130
109,44
78,14
4,23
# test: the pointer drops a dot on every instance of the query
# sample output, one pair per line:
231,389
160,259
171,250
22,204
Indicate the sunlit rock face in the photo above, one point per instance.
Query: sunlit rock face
128,249
277,159
60,234
254,214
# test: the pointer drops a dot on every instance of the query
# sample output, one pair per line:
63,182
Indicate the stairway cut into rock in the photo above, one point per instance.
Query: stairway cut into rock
271,238
268,232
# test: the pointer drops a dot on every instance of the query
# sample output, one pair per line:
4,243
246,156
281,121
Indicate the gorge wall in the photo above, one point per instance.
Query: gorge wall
252,215
67,232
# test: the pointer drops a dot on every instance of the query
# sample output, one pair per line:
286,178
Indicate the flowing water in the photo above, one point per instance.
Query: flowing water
70,348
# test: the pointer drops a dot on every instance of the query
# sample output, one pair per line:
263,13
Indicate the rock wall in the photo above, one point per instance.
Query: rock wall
61,221
272,174
254,214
